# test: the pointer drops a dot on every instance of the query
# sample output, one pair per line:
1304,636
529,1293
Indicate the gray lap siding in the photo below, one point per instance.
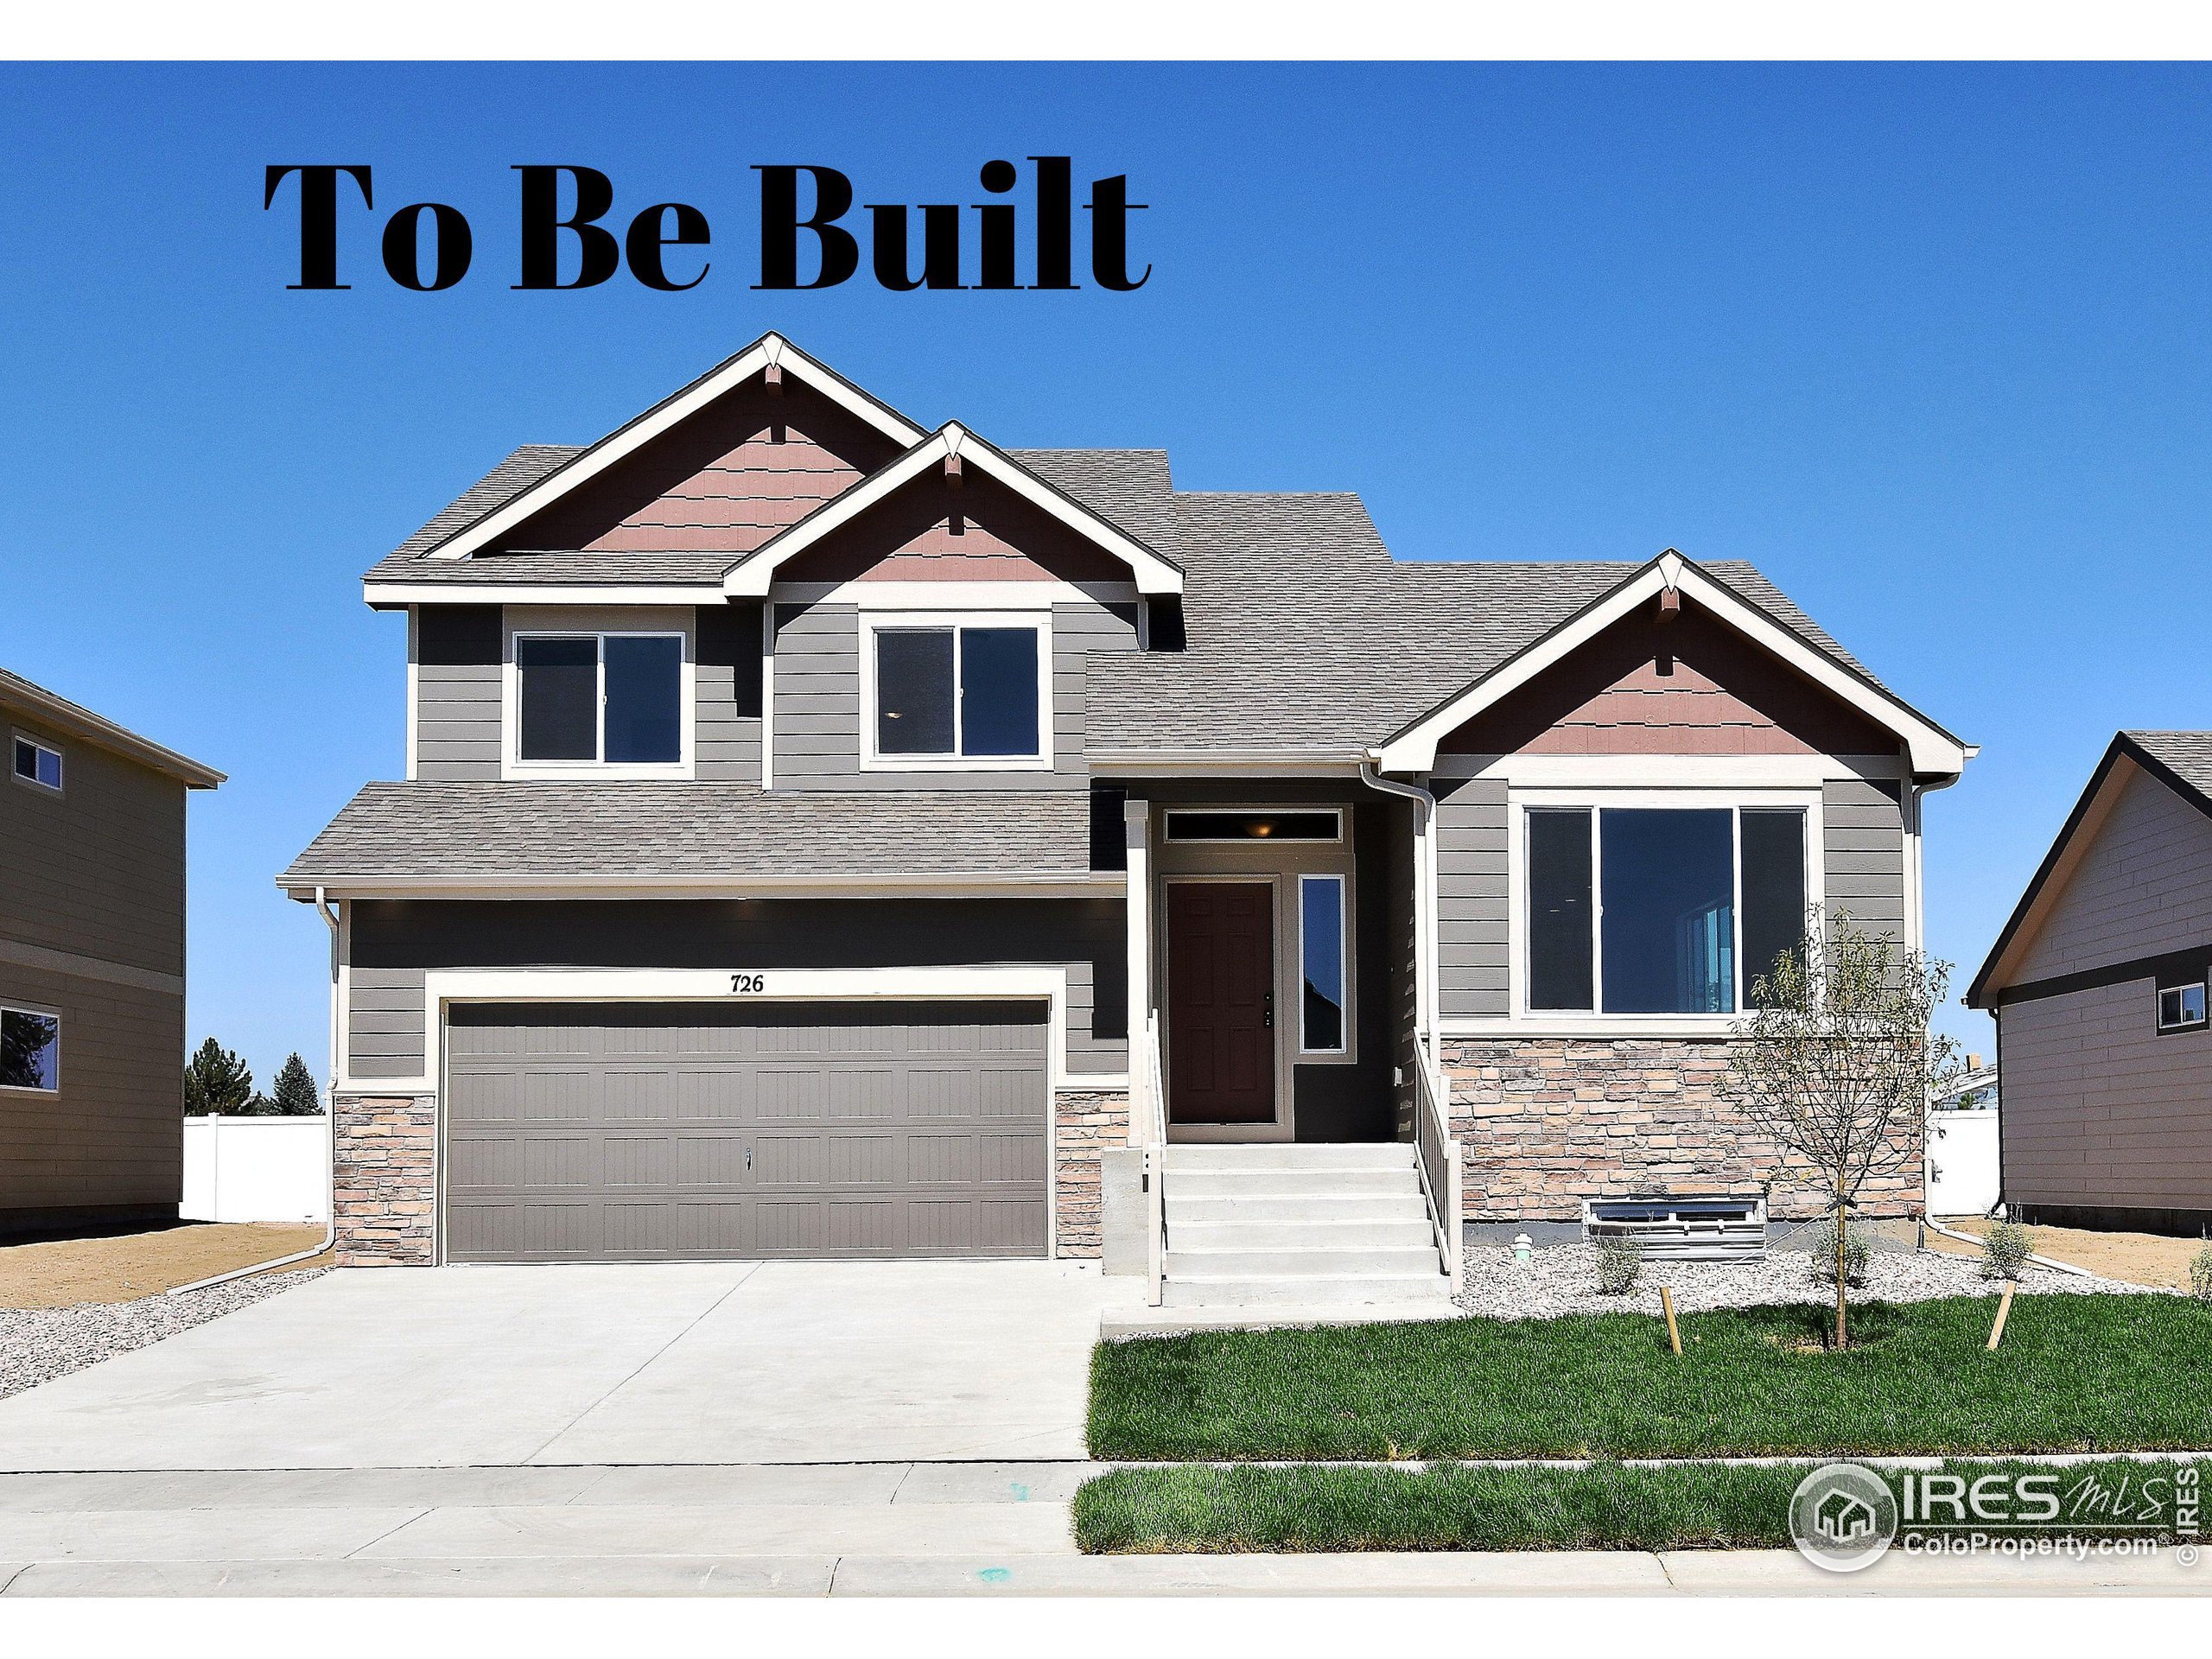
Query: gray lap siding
92,929
459,693
2101,1110
1472,924
394,943
108,1142
1863,853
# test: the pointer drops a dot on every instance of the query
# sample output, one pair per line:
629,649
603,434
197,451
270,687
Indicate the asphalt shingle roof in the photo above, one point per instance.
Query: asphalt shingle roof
713,831
1301,631
1302,634
2187,753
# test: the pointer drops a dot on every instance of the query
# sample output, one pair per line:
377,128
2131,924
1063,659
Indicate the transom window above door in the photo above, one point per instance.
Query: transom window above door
1640,910
592,700
957,694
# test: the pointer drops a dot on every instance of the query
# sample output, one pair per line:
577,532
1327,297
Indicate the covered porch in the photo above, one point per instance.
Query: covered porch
1289,1145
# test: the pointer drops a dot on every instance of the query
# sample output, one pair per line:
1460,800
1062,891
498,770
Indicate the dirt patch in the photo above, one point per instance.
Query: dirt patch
71,1272
2140,1258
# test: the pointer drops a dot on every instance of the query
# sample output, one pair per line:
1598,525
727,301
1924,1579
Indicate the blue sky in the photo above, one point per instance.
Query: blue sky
1929,344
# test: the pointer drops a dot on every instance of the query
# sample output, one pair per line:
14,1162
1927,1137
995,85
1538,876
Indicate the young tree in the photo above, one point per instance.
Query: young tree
1836,1064
216,1080
294,1091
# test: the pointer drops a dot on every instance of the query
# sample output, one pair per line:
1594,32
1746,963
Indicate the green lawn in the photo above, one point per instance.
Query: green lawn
2075,1373
1202,1510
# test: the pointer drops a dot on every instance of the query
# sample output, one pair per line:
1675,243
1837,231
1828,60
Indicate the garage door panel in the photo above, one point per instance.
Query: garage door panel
639,1161
709,1160
875,1129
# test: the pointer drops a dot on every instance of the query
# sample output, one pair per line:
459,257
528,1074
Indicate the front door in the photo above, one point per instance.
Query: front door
1221,1002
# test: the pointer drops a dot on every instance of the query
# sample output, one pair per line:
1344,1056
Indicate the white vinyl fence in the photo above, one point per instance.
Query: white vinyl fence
256,1169
1963,1177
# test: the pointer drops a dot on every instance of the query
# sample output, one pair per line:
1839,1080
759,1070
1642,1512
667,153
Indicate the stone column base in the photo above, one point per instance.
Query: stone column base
1086,1122
385,1148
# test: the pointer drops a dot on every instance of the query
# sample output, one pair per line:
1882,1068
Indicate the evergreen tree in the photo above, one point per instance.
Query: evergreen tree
295,1095
216,1080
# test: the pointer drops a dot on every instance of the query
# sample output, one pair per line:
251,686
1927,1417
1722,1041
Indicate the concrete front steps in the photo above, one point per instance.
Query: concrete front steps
1274,1227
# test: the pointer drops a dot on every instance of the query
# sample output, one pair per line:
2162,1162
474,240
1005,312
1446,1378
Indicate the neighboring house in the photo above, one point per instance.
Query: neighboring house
91,968
817,828
2097,985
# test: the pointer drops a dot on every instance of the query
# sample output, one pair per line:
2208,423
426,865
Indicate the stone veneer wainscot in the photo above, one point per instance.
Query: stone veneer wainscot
1549,1122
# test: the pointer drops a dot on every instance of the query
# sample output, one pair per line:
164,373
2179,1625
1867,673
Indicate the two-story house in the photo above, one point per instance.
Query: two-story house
2098,986
91,968
824,836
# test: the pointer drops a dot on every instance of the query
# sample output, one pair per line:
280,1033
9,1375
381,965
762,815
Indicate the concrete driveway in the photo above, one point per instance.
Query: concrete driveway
744,1362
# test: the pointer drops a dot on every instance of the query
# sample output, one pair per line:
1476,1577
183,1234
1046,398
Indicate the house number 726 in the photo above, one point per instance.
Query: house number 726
745,985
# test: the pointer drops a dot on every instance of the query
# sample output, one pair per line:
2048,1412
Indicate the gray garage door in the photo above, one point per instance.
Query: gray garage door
637,1132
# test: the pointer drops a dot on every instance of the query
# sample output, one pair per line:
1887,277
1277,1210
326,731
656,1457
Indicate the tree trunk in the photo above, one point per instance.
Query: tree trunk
1842,1283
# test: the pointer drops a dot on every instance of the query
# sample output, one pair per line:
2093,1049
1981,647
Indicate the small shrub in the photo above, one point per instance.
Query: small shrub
2006,1250
1619,1261
2200,1275
1821,1243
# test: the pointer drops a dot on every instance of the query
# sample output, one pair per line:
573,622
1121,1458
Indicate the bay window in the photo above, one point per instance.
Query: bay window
1653,910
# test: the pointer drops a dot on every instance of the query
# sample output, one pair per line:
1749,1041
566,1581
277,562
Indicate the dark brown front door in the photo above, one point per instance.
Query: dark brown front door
1221,978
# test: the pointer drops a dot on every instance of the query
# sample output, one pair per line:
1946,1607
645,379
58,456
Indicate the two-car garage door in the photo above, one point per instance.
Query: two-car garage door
671,1131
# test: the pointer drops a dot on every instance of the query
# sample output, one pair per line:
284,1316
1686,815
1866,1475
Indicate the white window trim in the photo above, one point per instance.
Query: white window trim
53,1014
1167,828
1526,1022
1342,1050
2204,993
60,763
679,626
871,623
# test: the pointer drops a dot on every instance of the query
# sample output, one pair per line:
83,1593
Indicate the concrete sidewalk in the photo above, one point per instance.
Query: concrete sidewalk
896,1528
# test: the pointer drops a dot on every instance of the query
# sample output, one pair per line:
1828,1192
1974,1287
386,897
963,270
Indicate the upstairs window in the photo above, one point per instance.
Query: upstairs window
959,692
2181,1007
610,699
30,1050
37,764
1659,910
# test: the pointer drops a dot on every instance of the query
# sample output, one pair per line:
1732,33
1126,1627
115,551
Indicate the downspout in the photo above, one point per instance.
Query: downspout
1424,939
330,1110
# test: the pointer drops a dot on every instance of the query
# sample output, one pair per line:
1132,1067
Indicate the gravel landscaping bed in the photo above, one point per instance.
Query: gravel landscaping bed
1563,1279
38,1344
